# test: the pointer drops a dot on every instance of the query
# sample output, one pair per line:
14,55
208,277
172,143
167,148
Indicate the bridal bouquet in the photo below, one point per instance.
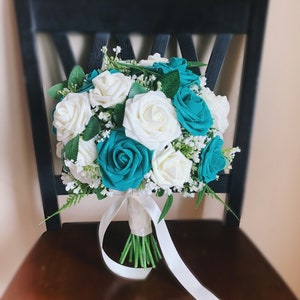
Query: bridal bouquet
137,128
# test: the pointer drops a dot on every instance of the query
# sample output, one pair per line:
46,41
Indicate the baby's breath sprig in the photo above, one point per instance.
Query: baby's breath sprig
229,154
128,67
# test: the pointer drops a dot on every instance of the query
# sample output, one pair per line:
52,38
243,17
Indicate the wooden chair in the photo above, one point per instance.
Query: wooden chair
65,261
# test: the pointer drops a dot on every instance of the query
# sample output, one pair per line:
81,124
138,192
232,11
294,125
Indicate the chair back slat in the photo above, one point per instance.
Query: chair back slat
63,48
113,22
124,42
187,49
160,44
96,56
216,60
214,16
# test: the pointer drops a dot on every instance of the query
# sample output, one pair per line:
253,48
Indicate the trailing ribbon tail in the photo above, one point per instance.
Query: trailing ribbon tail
171,256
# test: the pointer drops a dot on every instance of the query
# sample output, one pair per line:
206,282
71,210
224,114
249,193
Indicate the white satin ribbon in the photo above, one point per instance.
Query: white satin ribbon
171,256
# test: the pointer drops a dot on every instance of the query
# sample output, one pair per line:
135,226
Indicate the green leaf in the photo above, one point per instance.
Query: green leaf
170,83
76,77
166,208
53,91
213,194
98,191
191,64
200,196
92,129
135,89
72,199
160,193
119,113
71,148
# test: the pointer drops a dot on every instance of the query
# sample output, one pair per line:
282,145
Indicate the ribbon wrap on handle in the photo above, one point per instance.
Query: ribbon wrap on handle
138,218
171,256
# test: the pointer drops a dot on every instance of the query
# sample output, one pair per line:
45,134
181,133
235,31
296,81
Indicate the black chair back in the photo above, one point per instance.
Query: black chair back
162,23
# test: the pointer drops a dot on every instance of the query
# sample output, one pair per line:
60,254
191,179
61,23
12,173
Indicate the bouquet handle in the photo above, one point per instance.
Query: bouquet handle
171,256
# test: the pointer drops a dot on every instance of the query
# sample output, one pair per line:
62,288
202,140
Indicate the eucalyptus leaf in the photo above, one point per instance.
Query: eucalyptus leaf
191,64
160,193
53,91
135,89
167,207
76,77
170,83
98,193
200,196
119,114
92,129
71,148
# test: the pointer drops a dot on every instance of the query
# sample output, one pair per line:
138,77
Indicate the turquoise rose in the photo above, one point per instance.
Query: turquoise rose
192,112
88,83
186,76
212,160
123,161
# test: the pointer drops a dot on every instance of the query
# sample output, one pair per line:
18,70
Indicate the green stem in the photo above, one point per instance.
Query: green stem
150,256
138,68
210,191
156,251
126,249
141,251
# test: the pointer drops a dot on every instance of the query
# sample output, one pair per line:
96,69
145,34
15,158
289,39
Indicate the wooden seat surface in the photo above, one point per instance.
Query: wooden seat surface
67,264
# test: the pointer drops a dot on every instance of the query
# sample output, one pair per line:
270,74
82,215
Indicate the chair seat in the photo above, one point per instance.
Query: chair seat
66,264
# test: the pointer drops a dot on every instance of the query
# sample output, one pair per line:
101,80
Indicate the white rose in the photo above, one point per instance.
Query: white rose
219,108
71,115
152,59
150,119
110,89
87,152
170,168
89,175
84,169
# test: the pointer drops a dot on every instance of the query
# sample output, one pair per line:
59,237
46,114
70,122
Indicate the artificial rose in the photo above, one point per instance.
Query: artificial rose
110,89
192,112
85,174
87,152
152,59
123,161
88,82
71,116
212,160
186,76
170,168
219,108
150,118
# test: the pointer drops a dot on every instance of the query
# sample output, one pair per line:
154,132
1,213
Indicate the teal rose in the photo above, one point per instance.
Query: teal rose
186,76
212,160
123,161
192,112
88,83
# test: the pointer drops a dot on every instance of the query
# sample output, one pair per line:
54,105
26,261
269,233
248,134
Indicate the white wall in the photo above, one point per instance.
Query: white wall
271,203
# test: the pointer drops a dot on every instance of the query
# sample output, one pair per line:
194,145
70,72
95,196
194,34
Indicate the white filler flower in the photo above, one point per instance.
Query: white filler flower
150,119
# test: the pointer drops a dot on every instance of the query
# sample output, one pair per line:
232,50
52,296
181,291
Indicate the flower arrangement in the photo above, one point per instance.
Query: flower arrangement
150,126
